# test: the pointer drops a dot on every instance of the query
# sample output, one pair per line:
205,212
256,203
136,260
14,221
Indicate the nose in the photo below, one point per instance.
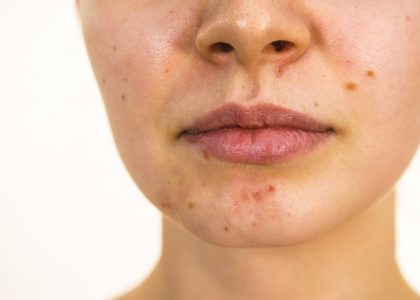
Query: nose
252,32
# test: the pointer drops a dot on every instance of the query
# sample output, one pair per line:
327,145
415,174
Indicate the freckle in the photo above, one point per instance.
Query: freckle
350,86
171,11
206,154
316,104
370,74
124,20
203,184
123,97
103,80
114,48
125,79
253,224
191,205
167,70
408,18
226,228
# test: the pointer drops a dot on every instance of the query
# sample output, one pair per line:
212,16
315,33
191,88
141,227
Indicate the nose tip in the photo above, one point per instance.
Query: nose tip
252,38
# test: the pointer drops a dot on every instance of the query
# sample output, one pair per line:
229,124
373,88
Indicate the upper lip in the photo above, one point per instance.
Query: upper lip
253,117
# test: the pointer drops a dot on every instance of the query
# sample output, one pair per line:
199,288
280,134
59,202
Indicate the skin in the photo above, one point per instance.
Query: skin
303,229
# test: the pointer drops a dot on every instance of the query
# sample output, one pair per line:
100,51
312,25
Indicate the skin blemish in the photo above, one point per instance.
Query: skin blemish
371,74
254,224
271,188
103,80
226,228
123,97
316,104
166,205
206,154
407,18
167,70
114,48
191,205
171,11
350,86
126,80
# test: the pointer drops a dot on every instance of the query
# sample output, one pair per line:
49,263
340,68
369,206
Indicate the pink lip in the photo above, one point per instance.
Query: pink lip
260,134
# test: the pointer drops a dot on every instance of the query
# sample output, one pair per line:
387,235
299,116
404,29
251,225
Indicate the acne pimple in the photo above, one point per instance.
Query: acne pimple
271,188
191,205
351,86
370,74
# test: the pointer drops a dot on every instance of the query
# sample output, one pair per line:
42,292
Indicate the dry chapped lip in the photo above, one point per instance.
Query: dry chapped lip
259,134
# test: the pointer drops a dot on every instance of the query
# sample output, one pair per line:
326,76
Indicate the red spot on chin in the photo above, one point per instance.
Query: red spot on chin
206,154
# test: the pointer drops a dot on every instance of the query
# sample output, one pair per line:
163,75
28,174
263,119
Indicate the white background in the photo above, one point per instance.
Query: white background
73,225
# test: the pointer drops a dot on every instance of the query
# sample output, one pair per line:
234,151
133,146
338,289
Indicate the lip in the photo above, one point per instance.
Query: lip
260,134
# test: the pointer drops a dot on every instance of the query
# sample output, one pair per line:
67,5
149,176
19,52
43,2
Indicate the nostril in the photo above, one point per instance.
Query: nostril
279,45
222,47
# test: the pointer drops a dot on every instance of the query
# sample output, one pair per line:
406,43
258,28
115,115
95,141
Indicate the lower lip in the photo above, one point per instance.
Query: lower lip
258,146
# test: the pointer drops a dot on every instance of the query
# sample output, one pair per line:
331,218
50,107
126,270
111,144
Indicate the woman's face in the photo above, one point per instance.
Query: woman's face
354,65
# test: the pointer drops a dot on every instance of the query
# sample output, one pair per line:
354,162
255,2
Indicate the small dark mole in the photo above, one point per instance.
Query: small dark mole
123,97
191,205
316,104
114,48
351,86
171,11
226,228
370,74
271,188
167,70
103,80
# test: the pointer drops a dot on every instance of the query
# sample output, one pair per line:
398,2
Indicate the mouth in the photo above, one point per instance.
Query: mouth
259,134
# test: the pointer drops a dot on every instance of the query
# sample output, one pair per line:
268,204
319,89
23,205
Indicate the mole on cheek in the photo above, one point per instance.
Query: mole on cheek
114,48
191,205
370,74
103,80
350,86
226,228
123,97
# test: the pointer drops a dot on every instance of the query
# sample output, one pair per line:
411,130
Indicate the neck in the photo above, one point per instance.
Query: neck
354,261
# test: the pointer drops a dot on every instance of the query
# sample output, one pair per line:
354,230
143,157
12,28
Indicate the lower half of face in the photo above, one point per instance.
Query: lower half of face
362,78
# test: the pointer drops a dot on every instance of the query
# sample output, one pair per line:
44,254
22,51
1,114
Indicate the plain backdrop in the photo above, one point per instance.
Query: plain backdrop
73,225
